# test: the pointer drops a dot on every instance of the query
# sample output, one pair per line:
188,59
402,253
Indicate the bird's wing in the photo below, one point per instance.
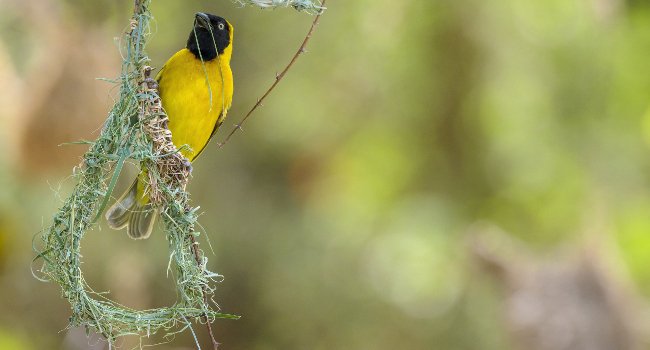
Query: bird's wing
214,131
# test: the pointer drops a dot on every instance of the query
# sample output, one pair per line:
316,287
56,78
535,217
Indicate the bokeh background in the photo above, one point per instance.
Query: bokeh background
431,175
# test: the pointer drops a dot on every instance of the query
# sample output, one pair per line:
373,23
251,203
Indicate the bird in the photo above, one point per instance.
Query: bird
196,88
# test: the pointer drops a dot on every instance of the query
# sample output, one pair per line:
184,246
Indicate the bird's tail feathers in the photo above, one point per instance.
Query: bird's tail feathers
138,218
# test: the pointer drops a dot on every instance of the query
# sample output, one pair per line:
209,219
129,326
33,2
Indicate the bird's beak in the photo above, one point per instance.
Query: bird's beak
202,20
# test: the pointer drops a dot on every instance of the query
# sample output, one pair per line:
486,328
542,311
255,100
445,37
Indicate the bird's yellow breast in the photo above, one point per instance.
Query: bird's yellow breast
196,96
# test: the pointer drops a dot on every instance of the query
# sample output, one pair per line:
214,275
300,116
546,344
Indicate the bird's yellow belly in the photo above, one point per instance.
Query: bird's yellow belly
194,98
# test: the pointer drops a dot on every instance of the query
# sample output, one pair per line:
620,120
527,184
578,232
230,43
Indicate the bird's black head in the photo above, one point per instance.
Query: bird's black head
208,30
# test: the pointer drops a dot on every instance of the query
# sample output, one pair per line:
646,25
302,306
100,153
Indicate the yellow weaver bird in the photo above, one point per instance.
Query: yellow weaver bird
195,87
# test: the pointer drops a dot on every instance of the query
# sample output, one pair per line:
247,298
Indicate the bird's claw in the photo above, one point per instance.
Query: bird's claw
187,164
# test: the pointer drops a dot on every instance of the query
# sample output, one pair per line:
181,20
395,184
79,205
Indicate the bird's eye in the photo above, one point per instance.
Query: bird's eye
221,26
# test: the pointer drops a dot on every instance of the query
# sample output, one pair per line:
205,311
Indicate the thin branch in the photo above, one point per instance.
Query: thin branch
279,77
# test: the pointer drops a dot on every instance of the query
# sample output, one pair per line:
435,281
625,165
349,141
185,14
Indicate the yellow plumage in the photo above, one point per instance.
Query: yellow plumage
195,100
196,95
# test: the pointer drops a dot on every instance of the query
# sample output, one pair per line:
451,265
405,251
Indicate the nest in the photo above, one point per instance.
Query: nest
136,128
173,170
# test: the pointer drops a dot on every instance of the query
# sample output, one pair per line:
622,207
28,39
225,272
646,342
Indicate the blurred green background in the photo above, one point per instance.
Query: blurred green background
419,179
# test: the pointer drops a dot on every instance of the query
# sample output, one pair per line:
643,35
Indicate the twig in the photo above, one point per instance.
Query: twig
278,77
238,126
